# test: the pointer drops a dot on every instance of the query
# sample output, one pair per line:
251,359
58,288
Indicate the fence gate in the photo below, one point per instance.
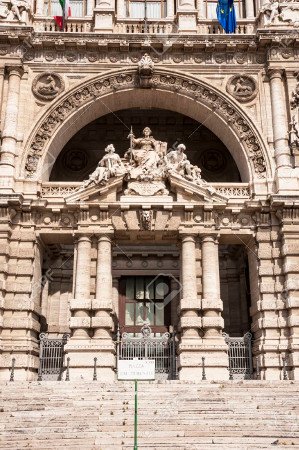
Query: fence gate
239,356
51,357
161,348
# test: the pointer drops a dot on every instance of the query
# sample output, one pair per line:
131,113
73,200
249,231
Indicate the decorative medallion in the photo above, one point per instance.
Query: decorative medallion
71,56
75,160
213,161
47,85
242,87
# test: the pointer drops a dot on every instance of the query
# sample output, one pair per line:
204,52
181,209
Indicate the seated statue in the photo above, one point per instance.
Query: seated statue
109,166
145,153
177,162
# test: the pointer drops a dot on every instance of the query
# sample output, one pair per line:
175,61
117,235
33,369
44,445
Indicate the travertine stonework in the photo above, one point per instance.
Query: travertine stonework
64,246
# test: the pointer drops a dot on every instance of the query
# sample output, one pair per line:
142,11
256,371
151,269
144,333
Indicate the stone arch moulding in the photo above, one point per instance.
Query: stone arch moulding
172,90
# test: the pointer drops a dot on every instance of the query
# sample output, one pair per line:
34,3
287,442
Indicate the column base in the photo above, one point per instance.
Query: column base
82,354
216,360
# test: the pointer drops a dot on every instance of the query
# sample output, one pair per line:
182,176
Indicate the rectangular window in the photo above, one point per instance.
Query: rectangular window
211,6
53,8
143,299
154,9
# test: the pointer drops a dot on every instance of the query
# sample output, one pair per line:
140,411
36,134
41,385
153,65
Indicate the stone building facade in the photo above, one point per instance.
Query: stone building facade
81,257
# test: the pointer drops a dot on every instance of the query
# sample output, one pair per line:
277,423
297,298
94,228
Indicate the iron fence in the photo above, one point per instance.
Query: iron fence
239,356
51,357
162,349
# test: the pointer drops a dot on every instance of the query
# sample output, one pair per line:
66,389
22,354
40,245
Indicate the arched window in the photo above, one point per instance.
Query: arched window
139,9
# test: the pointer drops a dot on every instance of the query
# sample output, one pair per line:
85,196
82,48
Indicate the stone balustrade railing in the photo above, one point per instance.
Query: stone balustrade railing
134,26
73,25
62,189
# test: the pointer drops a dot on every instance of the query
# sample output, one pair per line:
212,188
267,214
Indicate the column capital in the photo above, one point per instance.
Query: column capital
82,238
209,238
188,237
275,73
14,70
105,236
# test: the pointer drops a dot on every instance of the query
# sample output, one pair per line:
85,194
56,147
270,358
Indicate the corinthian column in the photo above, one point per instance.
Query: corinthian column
80,305
189,364
279,119
9,135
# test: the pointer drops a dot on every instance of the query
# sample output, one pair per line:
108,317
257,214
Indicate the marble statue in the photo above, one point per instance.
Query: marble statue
109,166
294,134
145,162
145,154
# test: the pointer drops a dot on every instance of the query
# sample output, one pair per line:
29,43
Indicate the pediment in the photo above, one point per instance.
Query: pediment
186,190
97,192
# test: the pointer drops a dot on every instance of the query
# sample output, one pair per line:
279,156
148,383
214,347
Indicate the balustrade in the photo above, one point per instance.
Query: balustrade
134,26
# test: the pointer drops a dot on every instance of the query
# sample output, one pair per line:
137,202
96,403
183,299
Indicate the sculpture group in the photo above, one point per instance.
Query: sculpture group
146,160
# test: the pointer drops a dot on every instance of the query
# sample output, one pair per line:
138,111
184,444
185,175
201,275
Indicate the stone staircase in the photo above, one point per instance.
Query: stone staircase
172,415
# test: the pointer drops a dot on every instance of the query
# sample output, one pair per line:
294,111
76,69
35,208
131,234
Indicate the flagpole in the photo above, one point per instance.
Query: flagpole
63,17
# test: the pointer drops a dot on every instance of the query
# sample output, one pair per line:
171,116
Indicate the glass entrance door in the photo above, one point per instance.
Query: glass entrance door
143,299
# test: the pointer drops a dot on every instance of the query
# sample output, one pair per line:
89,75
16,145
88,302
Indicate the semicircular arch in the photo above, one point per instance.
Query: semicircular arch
171,90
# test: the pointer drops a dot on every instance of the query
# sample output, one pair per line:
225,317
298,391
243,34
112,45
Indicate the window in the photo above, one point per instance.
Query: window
211,6
142,300
53,8
154,9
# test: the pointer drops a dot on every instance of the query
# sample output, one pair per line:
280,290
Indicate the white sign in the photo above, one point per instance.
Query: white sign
136,369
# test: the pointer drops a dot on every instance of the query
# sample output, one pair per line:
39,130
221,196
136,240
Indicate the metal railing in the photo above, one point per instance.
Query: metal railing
162,349
51,357
239,357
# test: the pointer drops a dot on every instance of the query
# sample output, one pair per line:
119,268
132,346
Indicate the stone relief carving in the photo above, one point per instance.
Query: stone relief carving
242,87
145,71
15,9
193,89
295,94
47,85
280,13
145,218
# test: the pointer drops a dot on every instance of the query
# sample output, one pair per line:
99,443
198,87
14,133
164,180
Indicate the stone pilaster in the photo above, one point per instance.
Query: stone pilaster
290,254
190,322
283,178
39,9
186,16
211,304
249,7
104,16
21,291
9,135
102,307
269,324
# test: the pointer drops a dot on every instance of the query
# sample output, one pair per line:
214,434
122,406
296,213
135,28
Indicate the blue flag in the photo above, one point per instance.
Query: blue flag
226,15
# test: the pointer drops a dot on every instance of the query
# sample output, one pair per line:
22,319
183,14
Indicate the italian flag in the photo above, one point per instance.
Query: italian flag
66,9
